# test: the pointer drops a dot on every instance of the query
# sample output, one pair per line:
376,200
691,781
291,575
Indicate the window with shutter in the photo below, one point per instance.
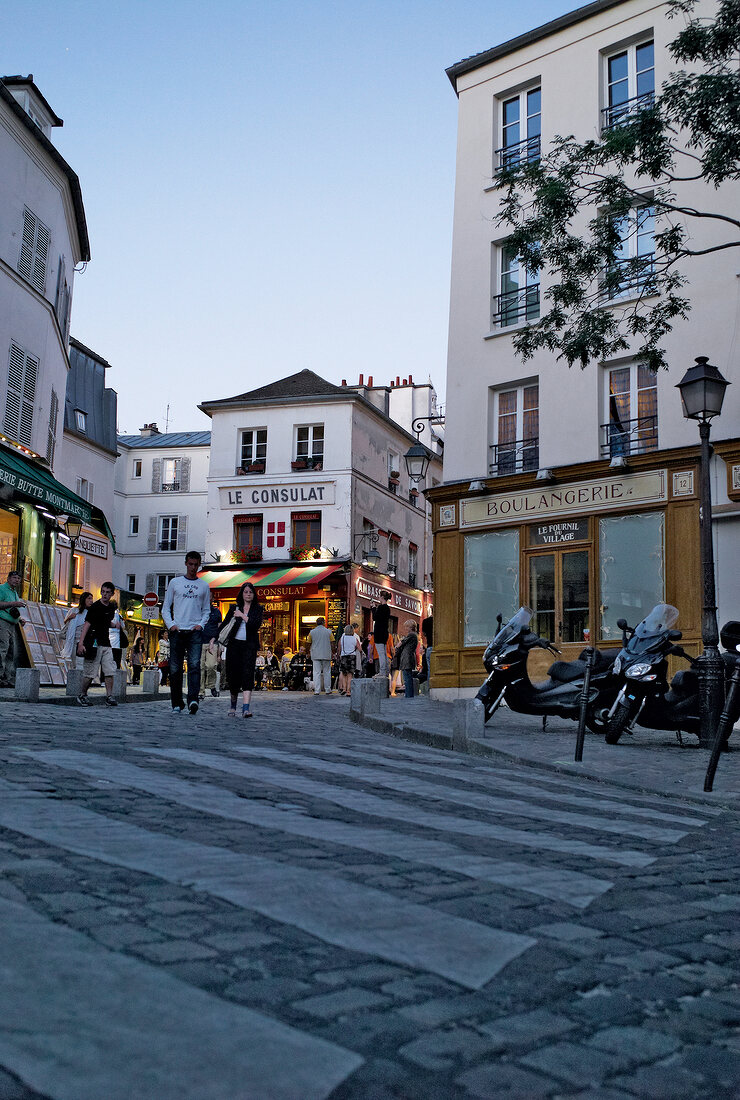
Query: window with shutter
152,539
34,250
62,301
52,441
21,394
185,476
182,533
156,474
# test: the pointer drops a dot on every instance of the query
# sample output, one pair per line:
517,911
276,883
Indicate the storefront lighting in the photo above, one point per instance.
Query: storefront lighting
19,447
366,544
309,619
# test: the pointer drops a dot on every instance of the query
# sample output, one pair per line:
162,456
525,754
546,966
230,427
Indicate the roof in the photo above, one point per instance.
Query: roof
305,383
469,64
87,391
58,159
167,440
28,82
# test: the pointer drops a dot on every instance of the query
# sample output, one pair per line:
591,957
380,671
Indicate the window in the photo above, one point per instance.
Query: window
306,529
21,395
34,250
253,447
521,127
171,475
163,579
412,564
131,582
393,554
310,445
519,289
248,535
626,592
491,583
635,259
168,532
51,442
80,420
630,84
632,415
517,426
136,470
133,525
84,489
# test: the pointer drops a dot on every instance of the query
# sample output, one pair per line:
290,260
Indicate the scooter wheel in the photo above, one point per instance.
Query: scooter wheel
618,724
598,720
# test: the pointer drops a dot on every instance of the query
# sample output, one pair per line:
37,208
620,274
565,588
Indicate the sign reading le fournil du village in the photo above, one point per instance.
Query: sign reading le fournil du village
606,495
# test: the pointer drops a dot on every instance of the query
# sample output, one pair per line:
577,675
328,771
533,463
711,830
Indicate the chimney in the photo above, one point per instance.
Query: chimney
344,381
398,380
362,380
370,381
149,429
411,381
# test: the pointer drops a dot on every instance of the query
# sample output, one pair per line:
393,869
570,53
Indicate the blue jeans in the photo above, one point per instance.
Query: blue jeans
408,683
185,644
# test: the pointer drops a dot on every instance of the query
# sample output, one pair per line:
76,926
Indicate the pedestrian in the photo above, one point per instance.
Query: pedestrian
73,621
209,659
321,656
10,619
381,630
186,607
349,643
427,630
394,642
242,644
407,661
94,645
163,657
137,659
118,639
359,655
372,656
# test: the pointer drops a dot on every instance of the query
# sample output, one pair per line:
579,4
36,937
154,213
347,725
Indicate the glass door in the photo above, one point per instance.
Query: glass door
559,596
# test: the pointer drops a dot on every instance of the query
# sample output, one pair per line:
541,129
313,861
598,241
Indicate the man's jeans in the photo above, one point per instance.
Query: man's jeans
185,644
8,651
382,658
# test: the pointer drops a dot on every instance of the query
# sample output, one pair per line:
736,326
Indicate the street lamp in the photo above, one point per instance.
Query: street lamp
72,529
702,391
367,543
417,457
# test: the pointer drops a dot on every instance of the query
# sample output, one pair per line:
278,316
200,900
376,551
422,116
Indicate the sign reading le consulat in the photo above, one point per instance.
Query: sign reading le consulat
277,496
606,495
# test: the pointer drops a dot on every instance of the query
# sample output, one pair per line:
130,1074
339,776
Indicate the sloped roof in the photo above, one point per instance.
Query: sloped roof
169,440
305,383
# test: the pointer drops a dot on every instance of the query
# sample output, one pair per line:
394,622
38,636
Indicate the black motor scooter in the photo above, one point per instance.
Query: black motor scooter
505,660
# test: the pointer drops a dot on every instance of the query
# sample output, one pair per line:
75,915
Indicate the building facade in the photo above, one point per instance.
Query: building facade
574,492
306,480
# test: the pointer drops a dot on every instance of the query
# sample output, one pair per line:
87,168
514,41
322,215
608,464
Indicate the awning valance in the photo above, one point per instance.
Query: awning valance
261,574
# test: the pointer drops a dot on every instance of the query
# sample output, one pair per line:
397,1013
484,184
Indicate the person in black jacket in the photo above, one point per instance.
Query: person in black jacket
381,628
241,647
209,653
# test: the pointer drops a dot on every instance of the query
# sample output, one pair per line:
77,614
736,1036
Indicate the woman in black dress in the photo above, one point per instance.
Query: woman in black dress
242,647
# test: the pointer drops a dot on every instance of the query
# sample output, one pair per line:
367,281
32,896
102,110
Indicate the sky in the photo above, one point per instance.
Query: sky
268,186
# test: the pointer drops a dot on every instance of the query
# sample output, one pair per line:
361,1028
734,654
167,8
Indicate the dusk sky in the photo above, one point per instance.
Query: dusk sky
268,187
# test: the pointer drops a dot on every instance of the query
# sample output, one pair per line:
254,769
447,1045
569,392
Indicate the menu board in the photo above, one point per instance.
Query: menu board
44,636
336,614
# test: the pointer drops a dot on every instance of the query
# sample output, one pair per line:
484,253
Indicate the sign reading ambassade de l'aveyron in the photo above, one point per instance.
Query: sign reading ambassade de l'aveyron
605,495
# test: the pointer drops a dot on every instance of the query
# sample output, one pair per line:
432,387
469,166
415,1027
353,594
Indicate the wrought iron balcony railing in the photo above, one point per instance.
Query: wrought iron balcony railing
619,114
511,156
516,305
629,437
168,544
516,457
170,486
629,274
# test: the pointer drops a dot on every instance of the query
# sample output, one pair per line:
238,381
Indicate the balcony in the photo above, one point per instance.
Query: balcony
628,275
512,156
412,580
620,114
514,306
517,457
629,437
168,544
170,487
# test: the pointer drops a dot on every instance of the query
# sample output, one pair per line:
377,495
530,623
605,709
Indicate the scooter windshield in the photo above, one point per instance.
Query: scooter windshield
653,628
515,624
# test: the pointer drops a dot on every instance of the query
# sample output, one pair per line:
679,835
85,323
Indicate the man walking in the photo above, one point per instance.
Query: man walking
185,611
321,656
209,660
381,626
94,645
10,617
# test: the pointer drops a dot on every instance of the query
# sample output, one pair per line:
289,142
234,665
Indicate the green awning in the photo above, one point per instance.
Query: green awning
36,484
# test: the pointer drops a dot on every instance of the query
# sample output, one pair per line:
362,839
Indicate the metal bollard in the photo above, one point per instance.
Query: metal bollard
150,681
27,683
726,722
585,692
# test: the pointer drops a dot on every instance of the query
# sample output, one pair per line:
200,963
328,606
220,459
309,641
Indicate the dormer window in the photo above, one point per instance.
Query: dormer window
81,421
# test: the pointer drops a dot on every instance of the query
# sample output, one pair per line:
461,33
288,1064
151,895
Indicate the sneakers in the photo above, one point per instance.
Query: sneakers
83,701
110,701
214,693
178,710
246,712
193,707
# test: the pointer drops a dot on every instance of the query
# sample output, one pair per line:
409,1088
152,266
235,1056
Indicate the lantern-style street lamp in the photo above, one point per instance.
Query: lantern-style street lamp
702,391
72,529
367,543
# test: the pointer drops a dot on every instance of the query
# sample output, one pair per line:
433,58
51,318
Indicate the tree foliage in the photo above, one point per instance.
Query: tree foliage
566,211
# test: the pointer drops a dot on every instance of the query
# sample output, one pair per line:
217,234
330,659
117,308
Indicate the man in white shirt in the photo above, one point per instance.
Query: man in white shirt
321,656
185,611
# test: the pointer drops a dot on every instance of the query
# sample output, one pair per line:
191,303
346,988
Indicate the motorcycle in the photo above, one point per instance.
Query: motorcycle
505,660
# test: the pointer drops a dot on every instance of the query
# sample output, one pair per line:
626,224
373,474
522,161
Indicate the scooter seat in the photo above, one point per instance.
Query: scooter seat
564,672
684,683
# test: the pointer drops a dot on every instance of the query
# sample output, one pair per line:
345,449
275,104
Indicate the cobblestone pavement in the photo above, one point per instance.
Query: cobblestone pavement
293,907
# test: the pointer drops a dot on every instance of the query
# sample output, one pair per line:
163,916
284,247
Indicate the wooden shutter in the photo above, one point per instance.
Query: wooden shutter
157,475
152,540
21,395
52,440
34,250
184,475
182,532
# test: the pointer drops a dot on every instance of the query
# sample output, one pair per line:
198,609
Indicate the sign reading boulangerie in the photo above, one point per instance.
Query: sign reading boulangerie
605,495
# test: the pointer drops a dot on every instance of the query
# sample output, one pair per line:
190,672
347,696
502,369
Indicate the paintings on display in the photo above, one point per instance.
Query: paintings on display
44,635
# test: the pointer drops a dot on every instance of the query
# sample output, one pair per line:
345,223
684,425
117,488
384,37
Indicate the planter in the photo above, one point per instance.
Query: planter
256,468
299,465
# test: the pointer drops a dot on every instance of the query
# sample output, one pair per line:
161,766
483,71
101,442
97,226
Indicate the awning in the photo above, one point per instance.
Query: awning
260,575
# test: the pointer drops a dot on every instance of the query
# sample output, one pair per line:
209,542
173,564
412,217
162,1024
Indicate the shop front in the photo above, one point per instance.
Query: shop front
581,552
406,602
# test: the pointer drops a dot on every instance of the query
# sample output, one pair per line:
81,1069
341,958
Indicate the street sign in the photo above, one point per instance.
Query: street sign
151,599
149,612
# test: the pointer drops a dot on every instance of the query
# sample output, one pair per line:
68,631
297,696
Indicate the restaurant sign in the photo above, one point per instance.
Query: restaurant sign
604,495
277,496
403,601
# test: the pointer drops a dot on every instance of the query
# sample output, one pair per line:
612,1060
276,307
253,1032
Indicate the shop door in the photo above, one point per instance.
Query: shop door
559,597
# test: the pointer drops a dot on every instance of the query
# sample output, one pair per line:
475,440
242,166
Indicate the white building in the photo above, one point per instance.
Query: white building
161,497
573,491
303,471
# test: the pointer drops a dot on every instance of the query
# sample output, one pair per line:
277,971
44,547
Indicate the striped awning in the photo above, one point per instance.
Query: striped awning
260,575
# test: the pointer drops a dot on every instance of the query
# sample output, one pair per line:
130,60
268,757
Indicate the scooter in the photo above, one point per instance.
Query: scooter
505,660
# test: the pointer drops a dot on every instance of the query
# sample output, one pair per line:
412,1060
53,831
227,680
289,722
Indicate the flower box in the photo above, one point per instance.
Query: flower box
299,464
303,553
256,468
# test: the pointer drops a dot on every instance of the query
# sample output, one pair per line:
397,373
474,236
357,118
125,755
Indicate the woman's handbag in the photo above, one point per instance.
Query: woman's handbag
123,637
226,631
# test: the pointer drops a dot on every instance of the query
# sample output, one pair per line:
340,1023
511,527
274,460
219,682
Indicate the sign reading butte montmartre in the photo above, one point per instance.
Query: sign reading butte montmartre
277,496
606,495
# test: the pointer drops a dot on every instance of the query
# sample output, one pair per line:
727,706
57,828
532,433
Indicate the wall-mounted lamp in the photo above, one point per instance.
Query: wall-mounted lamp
367,553
477,487
545,474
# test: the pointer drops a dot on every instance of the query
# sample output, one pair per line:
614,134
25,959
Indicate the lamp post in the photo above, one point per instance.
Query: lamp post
72,529
702,391
367,541
418,456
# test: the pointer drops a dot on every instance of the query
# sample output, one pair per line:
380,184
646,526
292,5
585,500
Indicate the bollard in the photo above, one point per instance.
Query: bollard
469,722
74,682
366,695
119,685
27,682
585,692
726,722
150,681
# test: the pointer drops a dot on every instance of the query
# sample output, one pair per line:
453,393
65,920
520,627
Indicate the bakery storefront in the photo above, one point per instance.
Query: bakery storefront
582,551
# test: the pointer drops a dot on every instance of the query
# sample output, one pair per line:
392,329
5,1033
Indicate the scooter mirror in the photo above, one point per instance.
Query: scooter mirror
622,624
674,635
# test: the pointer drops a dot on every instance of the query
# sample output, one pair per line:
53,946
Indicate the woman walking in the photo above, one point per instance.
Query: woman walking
347,649
407,657
74,621
241,647
137,659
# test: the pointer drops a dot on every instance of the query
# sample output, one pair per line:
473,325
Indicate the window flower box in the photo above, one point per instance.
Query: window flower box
251,553
299,464
256,468
394,475
304,553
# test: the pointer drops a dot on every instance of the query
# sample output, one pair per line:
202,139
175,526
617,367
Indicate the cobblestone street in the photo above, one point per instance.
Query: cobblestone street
295,907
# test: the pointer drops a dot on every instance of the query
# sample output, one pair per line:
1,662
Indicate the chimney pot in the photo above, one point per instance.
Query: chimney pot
344,381
398,380
362,380
411,381
370,380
